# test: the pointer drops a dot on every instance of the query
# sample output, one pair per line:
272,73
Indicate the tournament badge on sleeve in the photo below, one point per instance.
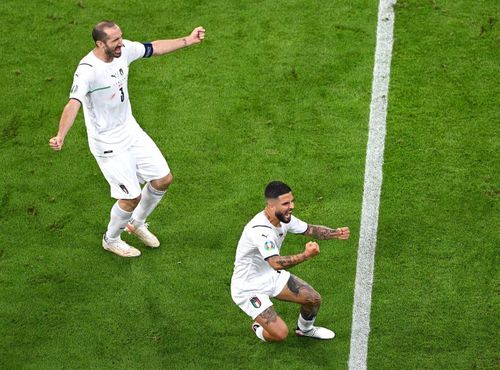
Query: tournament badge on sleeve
269,245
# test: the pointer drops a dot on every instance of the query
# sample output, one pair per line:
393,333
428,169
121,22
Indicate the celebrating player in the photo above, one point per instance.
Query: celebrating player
126,155
260,271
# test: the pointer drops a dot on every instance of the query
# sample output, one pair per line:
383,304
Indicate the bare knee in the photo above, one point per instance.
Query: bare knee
275,329
311,306
163,183
276,333
128,205
314,298
281,334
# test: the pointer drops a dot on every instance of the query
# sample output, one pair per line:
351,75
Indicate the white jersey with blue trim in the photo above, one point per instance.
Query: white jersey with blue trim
259,241
102,90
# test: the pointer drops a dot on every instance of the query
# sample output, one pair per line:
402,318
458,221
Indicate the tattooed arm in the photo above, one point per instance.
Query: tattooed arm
323,232
282,262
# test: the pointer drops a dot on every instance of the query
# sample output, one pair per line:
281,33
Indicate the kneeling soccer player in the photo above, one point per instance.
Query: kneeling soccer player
260,271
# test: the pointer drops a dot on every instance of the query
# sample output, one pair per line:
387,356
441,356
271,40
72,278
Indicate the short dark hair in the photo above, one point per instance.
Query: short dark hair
276,188
98,33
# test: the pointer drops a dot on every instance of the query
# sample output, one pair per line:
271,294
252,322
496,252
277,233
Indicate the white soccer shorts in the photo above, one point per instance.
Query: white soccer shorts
254,302
126,171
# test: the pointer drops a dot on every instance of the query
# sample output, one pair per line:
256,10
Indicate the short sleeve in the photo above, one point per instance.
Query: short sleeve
135,50
263,239
81,81
296,226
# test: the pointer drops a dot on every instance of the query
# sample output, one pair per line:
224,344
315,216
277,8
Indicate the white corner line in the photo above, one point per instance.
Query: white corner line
372,188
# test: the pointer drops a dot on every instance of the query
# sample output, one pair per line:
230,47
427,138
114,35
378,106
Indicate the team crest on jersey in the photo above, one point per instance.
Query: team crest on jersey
269,245
255,301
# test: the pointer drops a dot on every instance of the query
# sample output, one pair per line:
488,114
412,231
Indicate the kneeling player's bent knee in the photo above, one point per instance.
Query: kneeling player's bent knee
281,334
314,298
276,332
274,326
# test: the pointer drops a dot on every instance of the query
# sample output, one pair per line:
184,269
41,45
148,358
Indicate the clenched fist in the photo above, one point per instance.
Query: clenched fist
343,233
56,143
311,249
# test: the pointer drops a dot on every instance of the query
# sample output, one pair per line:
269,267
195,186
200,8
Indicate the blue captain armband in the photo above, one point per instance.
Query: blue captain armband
149,49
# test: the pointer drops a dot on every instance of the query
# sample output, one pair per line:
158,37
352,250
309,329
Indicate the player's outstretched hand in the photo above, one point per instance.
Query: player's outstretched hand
197,35
56,143
343,233
311,249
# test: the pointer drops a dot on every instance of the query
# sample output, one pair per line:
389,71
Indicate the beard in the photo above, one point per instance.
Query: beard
281,216
113,53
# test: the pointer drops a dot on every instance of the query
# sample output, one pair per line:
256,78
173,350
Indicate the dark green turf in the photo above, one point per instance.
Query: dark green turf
278,90
435,302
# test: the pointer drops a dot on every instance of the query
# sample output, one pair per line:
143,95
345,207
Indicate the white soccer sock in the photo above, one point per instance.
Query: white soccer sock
149,200
304,324
118,221
259,332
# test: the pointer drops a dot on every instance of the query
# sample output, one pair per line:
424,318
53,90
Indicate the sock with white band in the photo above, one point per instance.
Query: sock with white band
150,198
118,221
304,324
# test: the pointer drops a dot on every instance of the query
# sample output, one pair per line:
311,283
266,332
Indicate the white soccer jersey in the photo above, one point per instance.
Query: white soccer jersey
260,240
102,89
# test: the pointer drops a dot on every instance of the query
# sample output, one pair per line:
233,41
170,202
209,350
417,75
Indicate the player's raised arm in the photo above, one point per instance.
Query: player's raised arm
324,233
68,117
161,47
282,262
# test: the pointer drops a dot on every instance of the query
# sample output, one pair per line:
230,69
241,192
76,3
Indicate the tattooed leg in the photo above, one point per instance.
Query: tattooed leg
269,316
298,291
309,312
275,329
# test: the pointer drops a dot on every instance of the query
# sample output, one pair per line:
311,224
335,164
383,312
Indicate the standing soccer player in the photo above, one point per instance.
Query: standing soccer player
126,155
260,271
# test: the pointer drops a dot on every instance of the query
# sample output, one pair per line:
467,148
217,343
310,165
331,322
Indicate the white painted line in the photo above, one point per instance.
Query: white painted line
372,187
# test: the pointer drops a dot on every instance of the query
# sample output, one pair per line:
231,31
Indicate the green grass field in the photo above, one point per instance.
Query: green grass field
278,90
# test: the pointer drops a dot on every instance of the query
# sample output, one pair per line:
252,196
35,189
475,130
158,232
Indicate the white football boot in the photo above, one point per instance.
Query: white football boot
142,232
119,247
316,332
